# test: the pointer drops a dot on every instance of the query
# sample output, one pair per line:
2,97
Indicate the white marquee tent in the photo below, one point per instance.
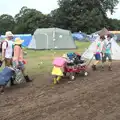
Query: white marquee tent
88,54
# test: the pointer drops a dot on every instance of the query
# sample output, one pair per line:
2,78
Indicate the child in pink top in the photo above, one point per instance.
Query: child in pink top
58,68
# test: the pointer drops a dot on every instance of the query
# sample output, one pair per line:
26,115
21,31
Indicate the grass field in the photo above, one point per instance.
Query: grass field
41,61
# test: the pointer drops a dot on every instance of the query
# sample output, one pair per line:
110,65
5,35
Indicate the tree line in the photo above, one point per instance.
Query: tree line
76,15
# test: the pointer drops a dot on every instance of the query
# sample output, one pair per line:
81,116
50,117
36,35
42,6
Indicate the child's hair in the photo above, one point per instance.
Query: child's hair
18,45
64,56
102,37
109,36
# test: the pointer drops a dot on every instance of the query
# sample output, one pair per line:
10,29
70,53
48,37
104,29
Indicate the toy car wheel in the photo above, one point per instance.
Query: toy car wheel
72,76
85,73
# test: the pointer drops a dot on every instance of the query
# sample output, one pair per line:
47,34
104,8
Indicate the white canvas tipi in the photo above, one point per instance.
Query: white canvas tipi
88,54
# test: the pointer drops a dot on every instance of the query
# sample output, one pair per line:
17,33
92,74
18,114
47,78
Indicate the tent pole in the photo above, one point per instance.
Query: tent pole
47,40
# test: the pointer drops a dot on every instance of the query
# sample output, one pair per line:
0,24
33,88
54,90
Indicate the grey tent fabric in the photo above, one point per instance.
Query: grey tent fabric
103,32
52,38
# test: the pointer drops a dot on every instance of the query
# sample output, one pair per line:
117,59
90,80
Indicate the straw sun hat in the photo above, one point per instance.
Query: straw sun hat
18,41
8,34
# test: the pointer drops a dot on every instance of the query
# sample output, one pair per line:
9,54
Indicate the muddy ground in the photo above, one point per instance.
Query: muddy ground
96,97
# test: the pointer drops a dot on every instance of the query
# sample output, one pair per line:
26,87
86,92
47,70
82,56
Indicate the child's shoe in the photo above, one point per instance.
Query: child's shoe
58,79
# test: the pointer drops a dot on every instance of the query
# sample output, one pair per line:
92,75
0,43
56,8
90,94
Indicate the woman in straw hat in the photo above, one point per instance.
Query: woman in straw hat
18,57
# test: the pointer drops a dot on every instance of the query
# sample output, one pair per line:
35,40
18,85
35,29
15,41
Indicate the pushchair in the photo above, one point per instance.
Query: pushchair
77,65
8,74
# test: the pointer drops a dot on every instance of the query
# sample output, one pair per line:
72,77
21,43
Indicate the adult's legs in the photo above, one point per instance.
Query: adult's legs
94,65
23,72
110,62
98,58
104,57
8,63
96,62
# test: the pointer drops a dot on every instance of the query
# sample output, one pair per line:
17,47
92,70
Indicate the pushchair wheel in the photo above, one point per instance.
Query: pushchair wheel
85,73
72,76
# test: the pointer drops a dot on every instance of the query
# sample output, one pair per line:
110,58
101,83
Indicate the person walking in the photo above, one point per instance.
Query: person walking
97,52
18,60
107,52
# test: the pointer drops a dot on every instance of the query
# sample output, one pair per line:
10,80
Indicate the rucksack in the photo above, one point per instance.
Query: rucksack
1,43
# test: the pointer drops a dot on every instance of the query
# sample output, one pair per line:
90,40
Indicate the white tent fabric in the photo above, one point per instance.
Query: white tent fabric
115,50
88,54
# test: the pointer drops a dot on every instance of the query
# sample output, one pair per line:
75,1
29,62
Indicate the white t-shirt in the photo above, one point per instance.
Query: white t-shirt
9,49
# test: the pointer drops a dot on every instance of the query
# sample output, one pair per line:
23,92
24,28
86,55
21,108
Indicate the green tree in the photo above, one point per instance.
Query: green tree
7,23
85,15
28,20
114,24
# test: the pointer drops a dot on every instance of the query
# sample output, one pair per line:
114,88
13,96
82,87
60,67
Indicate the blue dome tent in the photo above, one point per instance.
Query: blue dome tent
80,36
26,37
77,36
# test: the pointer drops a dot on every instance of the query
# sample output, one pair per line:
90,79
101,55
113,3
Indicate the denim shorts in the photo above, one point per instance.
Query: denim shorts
106,55
20,64
97,56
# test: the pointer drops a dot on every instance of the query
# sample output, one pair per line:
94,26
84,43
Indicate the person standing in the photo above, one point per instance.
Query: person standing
18,58
7,49
107,52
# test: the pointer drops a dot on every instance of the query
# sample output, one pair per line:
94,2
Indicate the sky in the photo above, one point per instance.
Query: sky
13,7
